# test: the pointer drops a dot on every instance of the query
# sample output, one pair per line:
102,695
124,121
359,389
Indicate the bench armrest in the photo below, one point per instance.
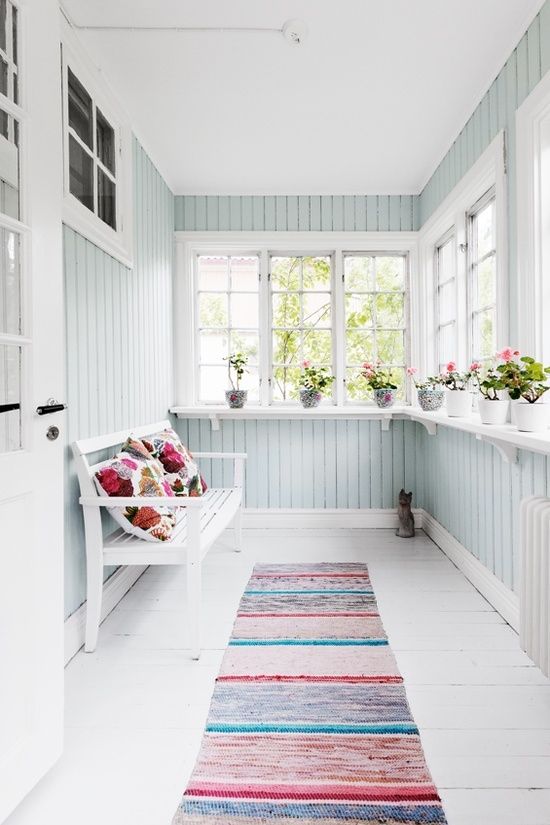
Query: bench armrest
140,501
238,467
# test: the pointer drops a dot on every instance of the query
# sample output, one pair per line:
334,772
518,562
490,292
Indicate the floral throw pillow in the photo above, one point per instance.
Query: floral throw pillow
130,473
180,469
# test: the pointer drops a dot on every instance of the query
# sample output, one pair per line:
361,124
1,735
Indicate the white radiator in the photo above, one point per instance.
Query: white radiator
534,628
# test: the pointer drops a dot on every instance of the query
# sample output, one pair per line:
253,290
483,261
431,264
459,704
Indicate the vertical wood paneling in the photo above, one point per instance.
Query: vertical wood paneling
118,331
397,213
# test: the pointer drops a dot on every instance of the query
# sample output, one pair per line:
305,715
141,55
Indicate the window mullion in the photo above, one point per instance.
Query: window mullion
264,335
339,327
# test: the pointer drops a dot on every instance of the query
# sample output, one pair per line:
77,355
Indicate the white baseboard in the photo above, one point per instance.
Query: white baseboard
294,518
504,600
114,589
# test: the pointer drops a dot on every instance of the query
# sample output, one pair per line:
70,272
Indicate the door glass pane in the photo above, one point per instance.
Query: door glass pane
14,24
81,169
3,77
3,21
10,398
106,199
10,284
447,302
80,110
105,142
9,165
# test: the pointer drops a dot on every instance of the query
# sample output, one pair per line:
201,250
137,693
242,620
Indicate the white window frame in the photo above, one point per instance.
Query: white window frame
448,237
532,295
472,263
119,242
189,245
487,172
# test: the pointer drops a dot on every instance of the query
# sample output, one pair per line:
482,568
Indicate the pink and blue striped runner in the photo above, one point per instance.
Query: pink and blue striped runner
309,721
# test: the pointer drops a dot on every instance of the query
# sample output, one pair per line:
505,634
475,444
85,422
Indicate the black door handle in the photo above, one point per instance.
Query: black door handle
5,408
51,407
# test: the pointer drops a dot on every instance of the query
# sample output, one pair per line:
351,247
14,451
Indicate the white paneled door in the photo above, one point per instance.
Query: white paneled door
31,372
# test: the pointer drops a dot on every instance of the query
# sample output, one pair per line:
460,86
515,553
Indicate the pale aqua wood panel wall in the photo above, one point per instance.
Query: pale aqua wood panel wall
475,495
304,213
305,464
118,340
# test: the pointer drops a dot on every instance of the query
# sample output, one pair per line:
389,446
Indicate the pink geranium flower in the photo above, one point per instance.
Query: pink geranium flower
411,370
306,364
475,366
507,354
451,366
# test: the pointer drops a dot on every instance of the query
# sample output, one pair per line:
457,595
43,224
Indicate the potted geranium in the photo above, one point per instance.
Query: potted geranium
428,390
381,382
313,380
491,405
236,365
457,393
525,379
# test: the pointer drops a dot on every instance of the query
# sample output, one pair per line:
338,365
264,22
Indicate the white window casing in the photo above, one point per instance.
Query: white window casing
190,245
116,242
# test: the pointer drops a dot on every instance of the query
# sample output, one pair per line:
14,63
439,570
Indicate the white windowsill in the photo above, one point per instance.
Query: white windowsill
506,439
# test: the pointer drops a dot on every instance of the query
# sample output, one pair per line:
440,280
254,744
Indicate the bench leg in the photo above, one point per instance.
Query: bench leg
94,593
238,528
194,584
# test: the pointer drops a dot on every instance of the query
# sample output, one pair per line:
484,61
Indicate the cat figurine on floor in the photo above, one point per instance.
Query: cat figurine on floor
405,515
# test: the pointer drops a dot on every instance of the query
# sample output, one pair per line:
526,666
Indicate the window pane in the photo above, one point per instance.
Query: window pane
286,309
316,309
286,383
81,170
14,27
447,345
80,110
446,261
285,273
486,282
3,77
213,382
360,347
244,310
10,283
317,346
286,346
213,273
106,199
390,346
390,310
447,302
9,166
359,311
214,346
484,343
316,273
3,22
359,273
485,230
244,274
356,386
10,396
390,273
247,343
105,141
213,310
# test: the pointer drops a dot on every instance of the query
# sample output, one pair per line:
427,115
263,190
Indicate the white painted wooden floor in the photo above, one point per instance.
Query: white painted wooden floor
136,708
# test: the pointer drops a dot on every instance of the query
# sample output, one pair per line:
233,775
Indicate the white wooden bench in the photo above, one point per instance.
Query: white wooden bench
205,518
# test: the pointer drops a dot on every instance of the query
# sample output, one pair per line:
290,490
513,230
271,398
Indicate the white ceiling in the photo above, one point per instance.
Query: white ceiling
369,104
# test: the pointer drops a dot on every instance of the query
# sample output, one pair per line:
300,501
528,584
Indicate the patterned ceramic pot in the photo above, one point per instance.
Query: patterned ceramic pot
236,398
430,398
310,398
384,398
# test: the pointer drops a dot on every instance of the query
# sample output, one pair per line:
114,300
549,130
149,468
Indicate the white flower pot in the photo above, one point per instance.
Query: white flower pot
458,403
493,412
532,418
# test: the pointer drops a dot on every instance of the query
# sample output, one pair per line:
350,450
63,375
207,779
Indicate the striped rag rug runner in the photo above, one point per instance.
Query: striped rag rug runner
309,720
